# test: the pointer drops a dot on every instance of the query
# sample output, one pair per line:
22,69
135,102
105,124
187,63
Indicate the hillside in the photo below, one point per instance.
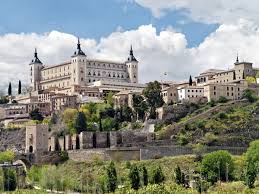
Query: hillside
234,123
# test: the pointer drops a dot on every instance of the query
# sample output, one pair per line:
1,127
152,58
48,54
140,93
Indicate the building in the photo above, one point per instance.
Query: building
240,71
124,99
231,91
191,93
81,71
170,94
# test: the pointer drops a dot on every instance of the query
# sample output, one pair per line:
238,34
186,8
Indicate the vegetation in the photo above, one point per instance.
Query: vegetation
111,177
36,115
10,89
217,166
134,177
19,87
80,122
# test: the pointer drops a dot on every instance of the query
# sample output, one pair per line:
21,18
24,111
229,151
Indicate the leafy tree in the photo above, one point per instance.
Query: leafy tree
249,95
109,99
6,156
80,123
19,87
10,89
139,105
178,176
111,177
134,177
157,175
217,166
153,96
36,115
9,179
190,80
127,114
145,176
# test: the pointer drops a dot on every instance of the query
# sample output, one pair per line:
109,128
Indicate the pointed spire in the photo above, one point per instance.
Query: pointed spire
79,50
237,61
131,56
36,59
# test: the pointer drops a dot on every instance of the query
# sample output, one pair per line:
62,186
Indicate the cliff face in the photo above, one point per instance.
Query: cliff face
12,140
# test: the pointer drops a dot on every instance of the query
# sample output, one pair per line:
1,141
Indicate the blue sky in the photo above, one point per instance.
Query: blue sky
92,18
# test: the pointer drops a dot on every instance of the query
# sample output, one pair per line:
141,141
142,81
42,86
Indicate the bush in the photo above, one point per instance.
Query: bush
217,166
249,95
157,175
179,176
212,103
7,156
222,115
145,176
222,99
9,179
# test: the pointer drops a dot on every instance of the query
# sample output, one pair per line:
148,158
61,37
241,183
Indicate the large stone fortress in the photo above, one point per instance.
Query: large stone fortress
81,71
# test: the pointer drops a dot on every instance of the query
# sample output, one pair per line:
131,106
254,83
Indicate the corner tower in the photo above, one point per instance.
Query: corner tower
35,72
132,67
78,64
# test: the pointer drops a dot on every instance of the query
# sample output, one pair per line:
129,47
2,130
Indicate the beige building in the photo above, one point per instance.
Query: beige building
81,71
239,72
170,94
231,91
191,93
124,98
36,139
62,101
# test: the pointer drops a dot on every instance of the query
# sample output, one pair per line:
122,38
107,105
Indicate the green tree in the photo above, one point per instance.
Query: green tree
222,99
250,175
10,89
80,123
134,177
249,95
36,115
157,175
145,176
140,106
111,177
217,165
19,87
178,176
153,96
109,99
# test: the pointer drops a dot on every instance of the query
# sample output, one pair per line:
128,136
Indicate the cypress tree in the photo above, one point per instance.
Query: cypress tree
134,177
158,175
100,122
178,176
19,87
10,89
111,177
234,75
145,176
80,123
243,74
190,80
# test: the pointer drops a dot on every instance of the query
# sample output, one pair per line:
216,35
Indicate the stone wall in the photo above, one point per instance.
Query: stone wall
12,140
104,154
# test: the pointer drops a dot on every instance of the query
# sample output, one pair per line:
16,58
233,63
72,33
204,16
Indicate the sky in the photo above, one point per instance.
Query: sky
180,37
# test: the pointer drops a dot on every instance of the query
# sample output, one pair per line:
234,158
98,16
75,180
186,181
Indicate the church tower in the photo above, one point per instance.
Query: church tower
35,72
78,64
132,67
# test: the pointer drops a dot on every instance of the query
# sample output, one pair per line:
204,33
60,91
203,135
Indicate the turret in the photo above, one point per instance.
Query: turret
132,66
78,61
35,72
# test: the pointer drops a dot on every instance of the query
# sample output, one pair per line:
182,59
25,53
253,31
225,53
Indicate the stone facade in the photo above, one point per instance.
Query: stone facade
36,138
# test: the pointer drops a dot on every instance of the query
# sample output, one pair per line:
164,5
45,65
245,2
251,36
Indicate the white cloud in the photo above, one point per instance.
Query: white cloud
157,52
208,11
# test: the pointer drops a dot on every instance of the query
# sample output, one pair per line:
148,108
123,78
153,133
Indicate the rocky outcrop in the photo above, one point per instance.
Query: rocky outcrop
12,140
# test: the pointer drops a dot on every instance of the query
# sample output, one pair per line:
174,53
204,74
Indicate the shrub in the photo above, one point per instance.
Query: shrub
111,177
145,176
134,177
222,115
178,176
182,139
9,179
217,166
157,175
212,103
222,99
249,95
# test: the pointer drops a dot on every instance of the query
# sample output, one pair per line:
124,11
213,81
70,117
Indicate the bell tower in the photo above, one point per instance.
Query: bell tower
35,72
78,61
132,67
